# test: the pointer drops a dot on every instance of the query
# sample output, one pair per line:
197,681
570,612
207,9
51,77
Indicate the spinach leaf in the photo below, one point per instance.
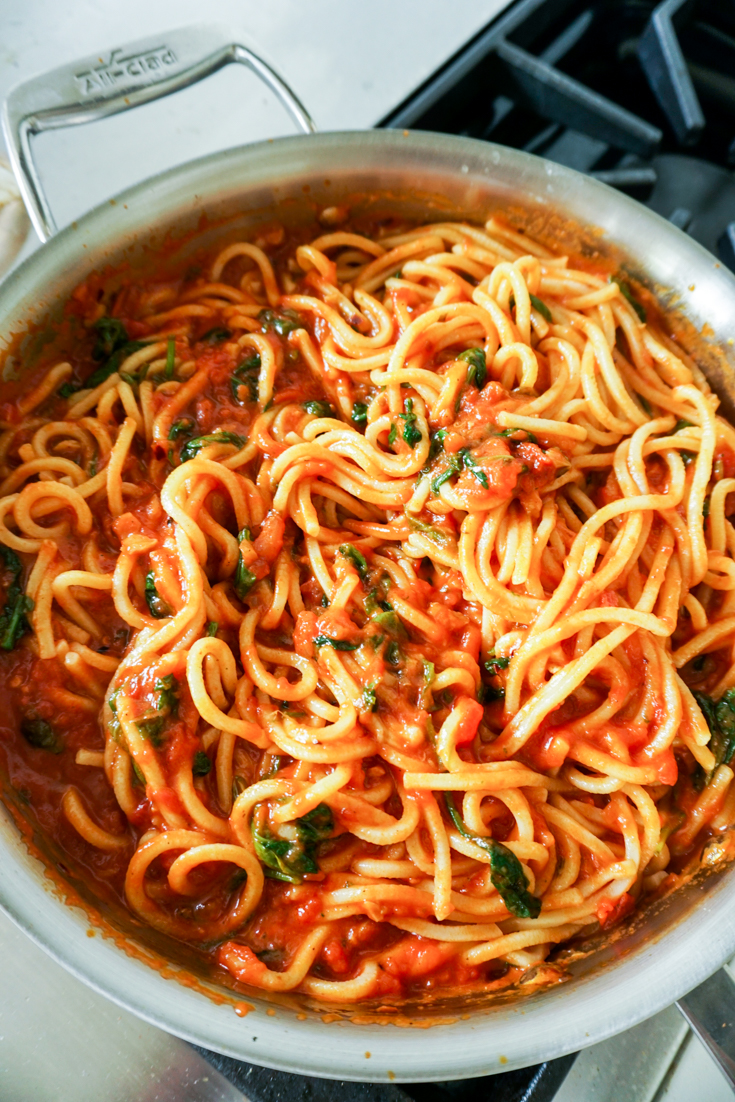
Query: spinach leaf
411,433
168,701
454,467
540,306
292,859
216,335
374,602
367,701
282,322
477,370
436,445
461,459
510,880
436,535
392,434
318,409
201,764
674,820
489,691
336,644
195,445
114,724
158,608
505,868
244,579
151,725
112,347
283,859
720,717
425,698
277,760
41,734
13,620
246,376
388,621
510,434
317,825
493,664
111,335
168,371
212,628
682,424
707,708
473,467
113,363
356,558
359,413
182,427
626,293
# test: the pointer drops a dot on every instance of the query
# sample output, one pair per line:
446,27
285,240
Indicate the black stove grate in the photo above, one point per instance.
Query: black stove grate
639,95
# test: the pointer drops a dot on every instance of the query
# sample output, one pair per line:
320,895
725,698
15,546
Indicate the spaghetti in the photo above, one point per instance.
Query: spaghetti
370,604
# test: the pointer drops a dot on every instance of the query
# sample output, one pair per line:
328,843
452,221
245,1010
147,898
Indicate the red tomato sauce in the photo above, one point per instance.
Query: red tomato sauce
509,465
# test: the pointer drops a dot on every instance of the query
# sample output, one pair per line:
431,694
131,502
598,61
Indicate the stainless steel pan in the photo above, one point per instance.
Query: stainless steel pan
612,986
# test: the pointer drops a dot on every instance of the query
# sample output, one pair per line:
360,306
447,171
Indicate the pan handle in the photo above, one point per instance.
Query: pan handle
710,1011
114,81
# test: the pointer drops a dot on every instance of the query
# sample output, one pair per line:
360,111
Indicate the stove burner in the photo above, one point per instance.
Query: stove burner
695,195
535,1084
666,69
609,88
